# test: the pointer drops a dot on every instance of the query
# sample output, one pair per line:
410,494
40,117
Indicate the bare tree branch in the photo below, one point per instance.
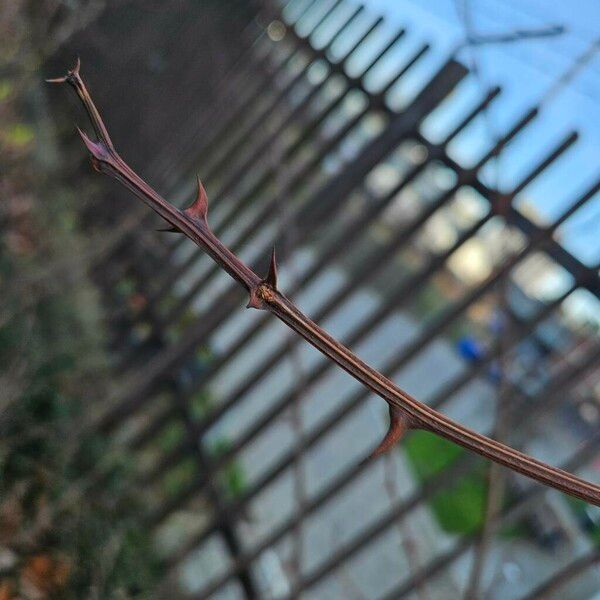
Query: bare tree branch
264,295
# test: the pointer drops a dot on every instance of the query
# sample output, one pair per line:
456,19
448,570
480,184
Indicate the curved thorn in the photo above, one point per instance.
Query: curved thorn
95,150
98,151
89,144
198,210
271,277
397,428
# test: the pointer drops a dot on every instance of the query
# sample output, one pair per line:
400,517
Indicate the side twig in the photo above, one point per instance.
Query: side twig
406,411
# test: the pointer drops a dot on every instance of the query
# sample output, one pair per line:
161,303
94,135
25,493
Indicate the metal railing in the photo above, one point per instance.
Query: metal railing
294,156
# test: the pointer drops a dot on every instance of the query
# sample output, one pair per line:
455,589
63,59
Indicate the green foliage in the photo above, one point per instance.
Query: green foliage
135,564
200,404
180,476
53,374
18,134
171,435
125,287
232,477
430,454
588,516
120,567
6,89
428,301
460,506
235,479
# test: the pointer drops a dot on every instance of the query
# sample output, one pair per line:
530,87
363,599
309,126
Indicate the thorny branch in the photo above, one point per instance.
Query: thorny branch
405,411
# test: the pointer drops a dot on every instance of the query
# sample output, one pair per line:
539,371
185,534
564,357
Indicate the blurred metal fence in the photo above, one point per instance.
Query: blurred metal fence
252,448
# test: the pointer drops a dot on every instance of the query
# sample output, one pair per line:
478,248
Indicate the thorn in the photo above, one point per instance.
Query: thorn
257,293
93,148
169,230
56,79
89,144
98,150
255,301
398,426
271,277
74,72
198,210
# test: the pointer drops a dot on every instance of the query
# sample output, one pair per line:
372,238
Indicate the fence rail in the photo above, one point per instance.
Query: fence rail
303,152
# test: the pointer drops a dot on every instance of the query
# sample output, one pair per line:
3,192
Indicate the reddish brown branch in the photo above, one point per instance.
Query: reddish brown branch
408,413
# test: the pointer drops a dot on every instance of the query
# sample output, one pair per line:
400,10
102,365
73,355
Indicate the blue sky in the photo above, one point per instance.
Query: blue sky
527,71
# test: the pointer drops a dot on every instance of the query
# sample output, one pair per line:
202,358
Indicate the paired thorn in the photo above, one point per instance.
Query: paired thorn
73,78
74,72
102,151
399,425
270,282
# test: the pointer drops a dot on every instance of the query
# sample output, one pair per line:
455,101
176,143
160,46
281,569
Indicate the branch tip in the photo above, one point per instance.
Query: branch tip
74,72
